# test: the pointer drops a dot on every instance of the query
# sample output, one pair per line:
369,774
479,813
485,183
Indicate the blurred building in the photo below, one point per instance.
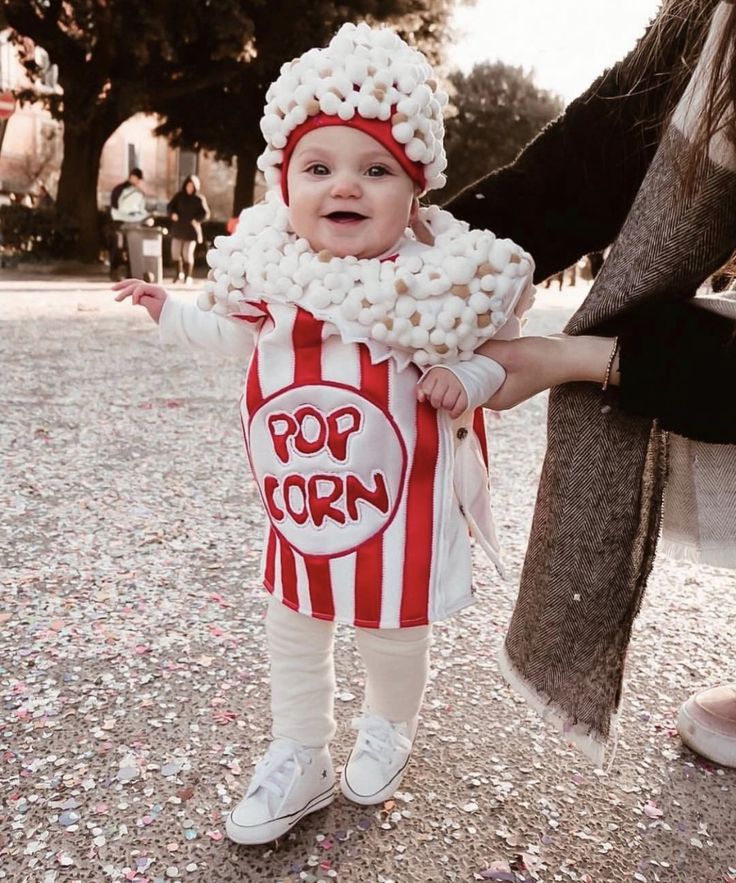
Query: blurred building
31,149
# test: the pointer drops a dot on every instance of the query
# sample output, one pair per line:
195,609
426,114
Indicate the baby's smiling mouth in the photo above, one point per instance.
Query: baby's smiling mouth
345,217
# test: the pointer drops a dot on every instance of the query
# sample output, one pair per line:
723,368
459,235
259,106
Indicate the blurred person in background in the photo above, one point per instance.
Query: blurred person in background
188,210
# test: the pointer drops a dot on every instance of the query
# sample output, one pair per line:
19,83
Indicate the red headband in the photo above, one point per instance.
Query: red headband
381,130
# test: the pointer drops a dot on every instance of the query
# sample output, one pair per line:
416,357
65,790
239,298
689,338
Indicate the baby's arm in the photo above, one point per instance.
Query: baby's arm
461,387
185,323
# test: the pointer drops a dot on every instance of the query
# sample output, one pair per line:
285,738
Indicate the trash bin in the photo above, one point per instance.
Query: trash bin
145,252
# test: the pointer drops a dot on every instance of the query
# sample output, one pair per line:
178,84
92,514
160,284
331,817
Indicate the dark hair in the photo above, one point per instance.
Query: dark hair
137,172
685,24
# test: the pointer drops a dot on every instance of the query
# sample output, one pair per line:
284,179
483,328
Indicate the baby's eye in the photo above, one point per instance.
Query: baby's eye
377,171
318,168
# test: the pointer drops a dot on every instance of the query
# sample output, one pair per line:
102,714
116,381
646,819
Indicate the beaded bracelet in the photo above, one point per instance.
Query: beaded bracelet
609,365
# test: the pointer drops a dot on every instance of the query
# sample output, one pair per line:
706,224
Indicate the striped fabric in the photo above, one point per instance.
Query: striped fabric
597,517
356,479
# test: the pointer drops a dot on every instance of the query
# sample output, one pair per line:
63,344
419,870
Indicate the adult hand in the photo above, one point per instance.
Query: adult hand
531,365
534,364
152,297
174,216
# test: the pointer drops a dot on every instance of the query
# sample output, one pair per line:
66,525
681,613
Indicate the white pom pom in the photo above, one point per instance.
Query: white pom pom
403,132
330,104
351,307
499,255
405,306
421,358
319,297
460,270
357,69
419,337
365,317
270,124
437,337
407,105
402,325
445,321
498,319
407,83
379,332
480,303
296,117
455,306
368,107
415,150
346,111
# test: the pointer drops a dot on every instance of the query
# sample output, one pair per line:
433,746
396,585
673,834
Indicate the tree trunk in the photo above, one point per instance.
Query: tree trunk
77,193
245,178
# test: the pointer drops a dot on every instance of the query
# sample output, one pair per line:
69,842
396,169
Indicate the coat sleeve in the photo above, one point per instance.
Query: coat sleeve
171,207
678,364
183,323
569,191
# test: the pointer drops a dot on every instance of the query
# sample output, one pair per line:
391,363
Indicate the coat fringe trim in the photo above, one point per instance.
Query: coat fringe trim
592,745
715,556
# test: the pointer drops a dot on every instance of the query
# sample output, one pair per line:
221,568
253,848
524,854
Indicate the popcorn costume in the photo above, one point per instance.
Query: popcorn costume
371,496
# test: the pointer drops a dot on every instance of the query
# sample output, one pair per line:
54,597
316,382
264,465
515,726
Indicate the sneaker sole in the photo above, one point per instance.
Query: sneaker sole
384,793
708,744
257,835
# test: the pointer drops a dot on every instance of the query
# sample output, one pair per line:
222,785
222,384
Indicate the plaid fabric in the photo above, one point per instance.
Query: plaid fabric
597,516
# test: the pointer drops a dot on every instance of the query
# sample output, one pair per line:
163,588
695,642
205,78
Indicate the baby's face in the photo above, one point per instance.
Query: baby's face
347,193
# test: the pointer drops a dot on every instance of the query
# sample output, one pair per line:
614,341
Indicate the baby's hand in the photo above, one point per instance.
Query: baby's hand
152,297
442,389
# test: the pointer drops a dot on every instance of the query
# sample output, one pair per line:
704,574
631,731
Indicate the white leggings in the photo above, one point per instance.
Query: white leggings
303,674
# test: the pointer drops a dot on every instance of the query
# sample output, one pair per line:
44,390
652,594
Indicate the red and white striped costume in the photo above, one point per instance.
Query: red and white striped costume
358,479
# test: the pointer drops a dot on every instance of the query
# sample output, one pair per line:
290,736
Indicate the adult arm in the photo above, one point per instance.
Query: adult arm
569,191
676,363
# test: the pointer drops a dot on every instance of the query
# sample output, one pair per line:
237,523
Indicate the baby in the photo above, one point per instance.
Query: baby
358,406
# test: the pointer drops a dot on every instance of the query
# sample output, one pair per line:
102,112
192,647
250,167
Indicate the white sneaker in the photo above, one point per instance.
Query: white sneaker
378,760
189,281
290,781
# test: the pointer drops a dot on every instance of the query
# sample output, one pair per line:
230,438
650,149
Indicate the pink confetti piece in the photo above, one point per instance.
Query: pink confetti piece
652,811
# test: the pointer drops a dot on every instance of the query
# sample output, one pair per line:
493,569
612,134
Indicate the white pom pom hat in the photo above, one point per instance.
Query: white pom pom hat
366,78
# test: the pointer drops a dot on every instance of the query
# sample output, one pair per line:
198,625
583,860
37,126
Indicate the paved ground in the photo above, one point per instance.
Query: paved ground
133,679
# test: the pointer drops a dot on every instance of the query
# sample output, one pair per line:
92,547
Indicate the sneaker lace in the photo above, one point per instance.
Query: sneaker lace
279,766
380,738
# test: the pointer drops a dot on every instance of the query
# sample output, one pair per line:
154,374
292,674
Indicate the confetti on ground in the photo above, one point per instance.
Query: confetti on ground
134,682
